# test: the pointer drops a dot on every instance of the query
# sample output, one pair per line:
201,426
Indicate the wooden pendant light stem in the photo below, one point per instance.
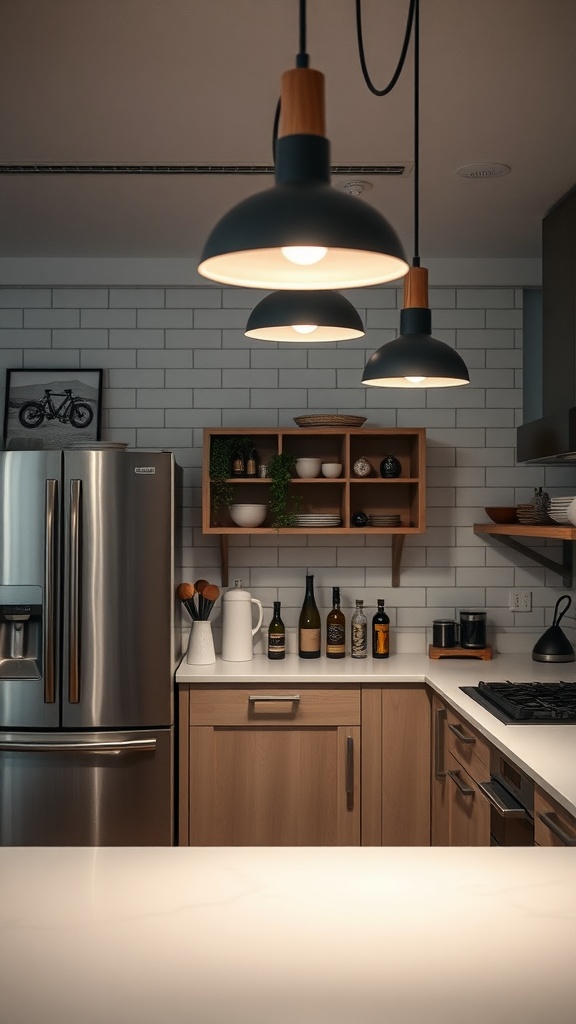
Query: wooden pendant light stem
302,103
416,288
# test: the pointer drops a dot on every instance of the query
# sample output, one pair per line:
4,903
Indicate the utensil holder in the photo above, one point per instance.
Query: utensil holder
200,649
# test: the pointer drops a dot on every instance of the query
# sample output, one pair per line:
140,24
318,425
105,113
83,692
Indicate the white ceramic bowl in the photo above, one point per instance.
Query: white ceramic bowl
331,469
248,515
308,467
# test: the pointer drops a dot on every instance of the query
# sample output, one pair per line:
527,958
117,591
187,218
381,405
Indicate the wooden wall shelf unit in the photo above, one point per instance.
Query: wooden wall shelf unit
403,495
508,532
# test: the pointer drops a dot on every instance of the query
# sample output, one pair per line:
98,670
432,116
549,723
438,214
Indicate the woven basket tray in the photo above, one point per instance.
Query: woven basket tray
328,420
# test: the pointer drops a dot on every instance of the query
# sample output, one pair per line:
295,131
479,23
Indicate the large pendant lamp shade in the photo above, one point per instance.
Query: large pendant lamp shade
307,317
415,359
303,234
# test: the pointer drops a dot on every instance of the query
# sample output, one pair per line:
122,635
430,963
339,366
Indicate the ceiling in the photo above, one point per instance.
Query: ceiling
195,83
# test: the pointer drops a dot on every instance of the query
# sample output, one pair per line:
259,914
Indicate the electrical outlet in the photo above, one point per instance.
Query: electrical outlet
520,600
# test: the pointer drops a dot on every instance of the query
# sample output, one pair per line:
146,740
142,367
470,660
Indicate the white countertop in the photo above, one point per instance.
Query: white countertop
545,752
287,936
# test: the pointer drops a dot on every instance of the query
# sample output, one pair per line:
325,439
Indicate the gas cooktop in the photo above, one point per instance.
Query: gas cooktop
527,703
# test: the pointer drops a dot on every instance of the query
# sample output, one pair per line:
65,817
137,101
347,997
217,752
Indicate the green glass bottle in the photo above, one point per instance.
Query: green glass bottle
309,624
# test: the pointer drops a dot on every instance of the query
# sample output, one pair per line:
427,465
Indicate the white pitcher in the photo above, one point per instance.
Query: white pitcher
237,628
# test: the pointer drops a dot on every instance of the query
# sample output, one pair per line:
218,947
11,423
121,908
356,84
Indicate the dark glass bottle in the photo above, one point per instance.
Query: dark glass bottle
239,463
309,624
359,634
276,635
252,463
380,632
335,628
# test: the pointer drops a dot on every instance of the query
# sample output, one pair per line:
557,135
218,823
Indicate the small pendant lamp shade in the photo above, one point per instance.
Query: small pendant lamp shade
305,317
303,234
415,359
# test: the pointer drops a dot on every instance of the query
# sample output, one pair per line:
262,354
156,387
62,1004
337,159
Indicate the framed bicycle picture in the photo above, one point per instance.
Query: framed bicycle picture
52,408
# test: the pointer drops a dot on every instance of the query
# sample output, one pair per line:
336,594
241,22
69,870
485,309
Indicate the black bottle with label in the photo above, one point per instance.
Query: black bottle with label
380,632
335,628
276,635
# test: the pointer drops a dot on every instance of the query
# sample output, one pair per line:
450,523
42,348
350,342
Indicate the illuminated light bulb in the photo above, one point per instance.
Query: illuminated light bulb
415,380
305,328
304,255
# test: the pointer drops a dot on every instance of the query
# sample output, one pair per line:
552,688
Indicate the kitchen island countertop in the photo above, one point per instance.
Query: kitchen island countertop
287,936
546,752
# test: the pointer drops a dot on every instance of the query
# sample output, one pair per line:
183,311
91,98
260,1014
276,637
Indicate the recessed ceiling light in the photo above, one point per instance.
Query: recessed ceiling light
483,170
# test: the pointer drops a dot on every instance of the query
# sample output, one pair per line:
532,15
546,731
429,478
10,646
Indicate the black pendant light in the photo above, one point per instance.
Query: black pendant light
303,234
415,359
304,316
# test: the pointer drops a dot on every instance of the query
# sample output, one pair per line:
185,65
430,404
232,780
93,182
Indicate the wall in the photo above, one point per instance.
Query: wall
176,360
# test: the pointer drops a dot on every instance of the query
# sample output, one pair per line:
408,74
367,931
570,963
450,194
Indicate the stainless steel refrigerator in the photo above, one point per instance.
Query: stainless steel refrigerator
86,648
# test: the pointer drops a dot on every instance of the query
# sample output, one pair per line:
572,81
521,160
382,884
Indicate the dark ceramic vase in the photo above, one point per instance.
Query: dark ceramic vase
359,519
390,467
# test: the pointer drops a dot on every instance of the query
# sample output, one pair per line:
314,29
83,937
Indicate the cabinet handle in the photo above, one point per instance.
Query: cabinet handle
349,772
502,801
293,698
439,769
464,789
462,736
550,821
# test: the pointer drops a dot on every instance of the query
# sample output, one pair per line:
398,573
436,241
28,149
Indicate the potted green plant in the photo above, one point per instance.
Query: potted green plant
223,451
284,505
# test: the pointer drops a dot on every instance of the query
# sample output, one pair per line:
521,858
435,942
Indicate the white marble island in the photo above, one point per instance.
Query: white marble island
287,936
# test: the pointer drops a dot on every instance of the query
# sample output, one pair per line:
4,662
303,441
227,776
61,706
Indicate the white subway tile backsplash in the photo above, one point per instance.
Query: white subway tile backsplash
51,318
138,298
125,318
176,360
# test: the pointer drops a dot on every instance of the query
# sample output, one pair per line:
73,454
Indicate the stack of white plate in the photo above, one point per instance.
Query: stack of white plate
318,519
559,508
384,520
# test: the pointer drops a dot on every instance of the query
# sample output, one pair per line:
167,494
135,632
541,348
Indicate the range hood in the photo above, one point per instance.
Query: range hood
551,438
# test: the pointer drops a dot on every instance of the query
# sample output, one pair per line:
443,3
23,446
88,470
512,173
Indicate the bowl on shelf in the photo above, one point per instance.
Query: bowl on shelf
248,515
331,469
502,514
308,467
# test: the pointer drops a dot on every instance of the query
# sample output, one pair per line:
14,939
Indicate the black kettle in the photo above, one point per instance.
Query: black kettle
554,645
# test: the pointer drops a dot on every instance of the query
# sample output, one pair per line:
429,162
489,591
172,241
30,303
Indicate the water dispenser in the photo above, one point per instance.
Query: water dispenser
20,638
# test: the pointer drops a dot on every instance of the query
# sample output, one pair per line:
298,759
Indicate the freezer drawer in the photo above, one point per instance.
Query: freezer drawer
86,789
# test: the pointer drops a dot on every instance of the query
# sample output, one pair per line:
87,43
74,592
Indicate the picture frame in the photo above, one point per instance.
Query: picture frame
52,408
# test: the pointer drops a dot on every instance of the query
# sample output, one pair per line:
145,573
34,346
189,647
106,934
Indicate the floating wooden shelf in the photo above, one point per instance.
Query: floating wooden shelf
344,495
508,532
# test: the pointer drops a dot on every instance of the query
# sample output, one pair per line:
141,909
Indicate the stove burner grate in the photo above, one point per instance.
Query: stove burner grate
542,702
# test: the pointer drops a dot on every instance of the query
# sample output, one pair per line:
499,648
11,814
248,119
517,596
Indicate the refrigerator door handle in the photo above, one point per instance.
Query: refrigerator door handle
50,592
81,746
74,594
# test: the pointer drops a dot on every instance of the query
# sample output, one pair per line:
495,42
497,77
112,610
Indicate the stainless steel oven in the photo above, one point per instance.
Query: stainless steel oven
510,794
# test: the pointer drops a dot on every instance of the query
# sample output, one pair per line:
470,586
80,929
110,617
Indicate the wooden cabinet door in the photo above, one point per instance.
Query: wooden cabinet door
405,766
553,825
274,786
440,788
468,809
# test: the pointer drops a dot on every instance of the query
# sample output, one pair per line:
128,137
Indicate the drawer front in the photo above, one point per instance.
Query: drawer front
553,825
468,747
273,705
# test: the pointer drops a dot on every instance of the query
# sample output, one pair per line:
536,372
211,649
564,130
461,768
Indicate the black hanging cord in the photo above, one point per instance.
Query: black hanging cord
388,88
302,56
302,61
416,256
